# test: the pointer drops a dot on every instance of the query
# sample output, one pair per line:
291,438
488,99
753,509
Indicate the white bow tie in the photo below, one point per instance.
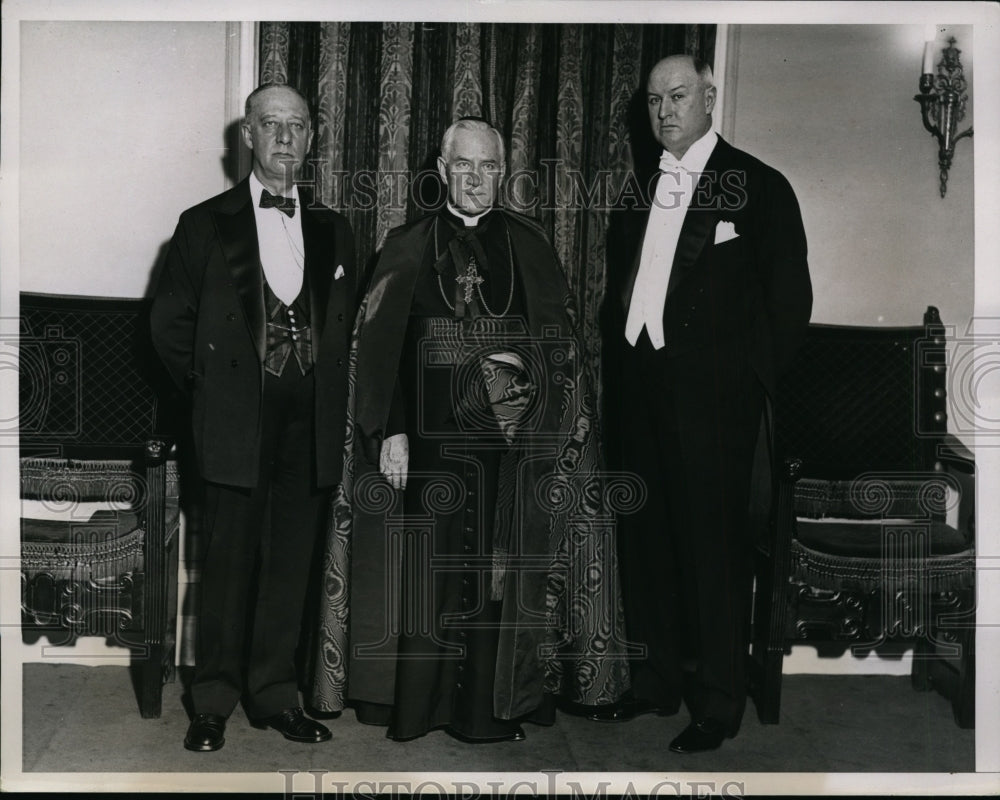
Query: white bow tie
670,164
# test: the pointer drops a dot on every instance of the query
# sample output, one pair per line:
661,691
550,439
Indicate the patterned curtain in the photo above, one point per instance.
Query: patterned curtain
568,99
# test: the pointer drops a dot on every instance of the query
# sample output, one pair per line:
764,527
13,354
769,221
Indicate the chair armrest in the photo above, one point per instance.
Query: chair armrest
162,452
780,526
790,470
959,463
784,502
955,455
160,550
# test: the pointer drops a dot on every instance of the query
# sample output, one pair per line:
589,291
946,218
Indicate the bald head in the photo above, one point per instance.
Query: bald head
680,99
272,88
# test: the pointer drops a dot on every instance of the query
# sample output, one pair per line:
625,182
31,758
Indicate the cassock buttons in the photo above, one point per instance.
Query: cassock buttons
234,363
340,362
340,317
231,316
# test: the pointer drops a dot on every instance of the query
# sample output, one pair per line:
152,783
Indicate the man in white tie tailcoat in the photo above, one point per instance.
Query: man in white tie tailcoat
708,298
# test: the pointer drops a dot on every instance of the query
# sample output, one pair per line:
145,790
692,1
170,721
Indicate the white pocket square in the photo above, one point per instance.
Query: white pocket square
339,273
725,231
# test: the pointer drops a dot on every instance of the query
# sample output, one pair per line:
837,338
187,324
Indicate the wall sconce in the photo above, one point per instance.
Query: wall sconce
942,101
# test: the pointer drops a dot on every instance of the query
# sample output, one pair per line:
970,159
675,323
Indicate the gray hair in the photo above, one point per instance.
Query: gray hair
702,68
470,124
248,105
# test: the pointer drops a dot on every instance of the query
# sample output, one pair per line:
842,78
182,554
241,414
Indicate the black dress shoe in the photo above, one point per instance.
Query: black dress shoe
630,708
517,735
206,733
295,726
701,735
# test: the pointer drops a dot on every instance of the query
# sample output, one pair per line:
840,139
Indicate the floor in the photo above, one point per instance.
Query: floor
80,719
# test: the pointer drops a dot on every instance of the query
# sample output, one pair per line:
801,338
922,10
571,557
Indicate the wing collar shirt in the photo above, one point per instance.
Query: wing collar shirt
674,188
282,253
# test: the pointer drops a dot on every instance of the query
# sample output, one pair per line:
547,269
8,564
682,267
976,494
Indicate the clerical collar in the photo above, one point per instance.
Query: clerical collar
256,187
696,156
469,222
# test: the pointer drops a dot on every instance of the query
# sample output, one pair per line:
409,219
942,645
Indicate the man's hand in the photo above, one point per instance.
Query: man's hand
394,459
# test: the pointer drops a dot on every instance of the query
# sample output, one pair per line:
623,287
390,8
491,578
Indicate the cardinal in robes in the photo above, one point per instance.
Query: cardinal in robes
470,572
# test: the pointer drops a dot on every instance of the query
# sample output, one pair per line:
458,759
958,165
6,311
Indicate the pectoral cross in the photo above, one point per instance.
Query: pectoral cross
470,279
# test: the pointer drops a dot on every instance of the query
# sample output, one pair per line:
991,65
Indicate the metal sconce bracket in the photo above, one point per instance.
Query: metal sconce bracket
942,101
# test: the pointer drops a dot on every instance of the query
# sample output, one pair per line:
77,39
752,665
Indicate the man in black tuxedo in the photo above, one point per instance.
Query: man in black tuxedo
252,316
709,296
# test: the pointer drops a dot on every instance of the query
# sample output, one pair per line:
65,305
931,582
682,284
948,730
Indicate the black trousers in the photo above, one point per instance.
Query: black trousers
265,538
691,424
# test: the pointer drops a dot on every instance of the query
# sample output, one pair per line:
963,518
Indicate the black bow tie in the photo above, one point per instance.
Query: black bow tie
286,205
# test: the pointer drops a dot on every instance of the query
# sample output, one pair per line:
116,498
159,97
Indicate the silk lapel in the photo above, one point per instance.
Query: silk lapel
699,222
318,241
237,231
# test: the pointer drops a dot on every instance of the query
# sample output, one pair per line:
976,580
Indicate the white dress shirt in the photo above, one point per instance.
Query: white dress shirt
674,188
282,253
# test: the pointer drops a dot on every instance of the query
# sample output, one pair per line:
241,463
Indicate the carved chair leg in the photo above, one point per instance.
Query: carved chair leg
769,704
920,672
964,701
767,656
151,683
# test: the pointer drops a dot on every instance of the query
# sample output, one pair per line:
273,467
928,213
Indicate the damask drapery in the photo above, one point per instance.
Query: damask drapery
567,99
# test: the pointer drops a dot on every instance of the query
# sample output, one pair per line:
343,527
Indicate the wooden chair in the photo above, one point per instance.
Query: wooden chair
871,538
99,527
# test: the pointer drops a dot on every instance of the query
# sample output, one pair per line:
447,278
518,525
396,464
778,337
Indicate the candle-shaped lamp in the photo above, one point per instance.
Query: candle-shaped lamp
930,35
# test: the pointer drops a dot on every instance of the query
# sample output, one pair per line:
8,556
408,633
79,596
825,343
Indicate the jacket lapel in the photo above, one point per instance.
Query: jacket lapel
701,218
320,257
697,227
237,231
699,222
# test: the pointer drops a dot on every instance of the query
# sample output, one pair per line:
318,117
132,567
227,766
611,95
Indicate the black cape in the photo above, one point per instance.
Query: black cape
565,635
